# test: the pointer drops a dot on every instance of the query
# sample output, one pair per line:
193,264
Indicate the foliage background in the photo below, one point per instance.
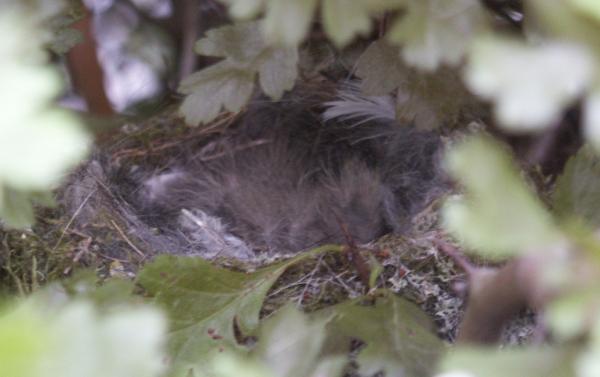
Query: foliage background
534,63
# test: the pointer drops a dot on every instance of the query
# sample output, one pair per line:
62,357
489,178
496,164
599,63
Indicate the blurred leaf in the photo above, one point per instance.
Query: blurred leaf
530,85
38,142
587,7
436,32
233,364
562,20
433,100
380,69
588,363
287,21
344,19
427,100
203,303
289,344
16,208
591,118
229,84
24,339
577,191
84,285
74,341
376,270
244,9
239,43
499,216
532,362
399,337
330,367
65,39
571,315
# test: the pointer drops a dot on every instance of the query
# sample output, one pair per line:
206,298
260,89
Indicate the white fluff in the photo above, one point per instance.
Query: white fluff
355,107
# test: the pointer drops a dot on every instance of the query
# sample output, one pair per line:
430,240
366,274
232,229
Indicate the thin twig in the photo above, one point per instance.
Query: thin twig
127,239
75,214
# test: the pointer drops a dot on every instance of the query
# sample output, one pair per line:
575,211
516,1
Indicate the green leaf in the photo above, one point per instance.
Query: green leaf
577,191
380,69
427,100
203,303
436,32
344,19
38,141
399,337
287,21
240,43
229,84
74,341
232,364
570,316
289,344
591,118
65,39
532,362
24,339
529,85
563,21
499,216
214,88
244,9
587,7
277,71
588,362
15,208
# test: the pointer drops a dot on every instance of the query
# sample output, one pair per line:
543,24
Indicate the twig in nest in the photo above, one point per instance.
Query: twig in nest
138,251
495,296
75,214
309,278
354,256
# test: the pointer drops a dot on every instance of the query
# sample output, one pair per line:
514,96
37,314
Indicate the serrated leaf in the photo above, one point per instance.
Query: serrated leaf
203,302
436,32
499,216
427,100
277,72
287,21
214,88
399,337
344,19
432,100
531,362
240,43
229,84
577,191
529,85
380,69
